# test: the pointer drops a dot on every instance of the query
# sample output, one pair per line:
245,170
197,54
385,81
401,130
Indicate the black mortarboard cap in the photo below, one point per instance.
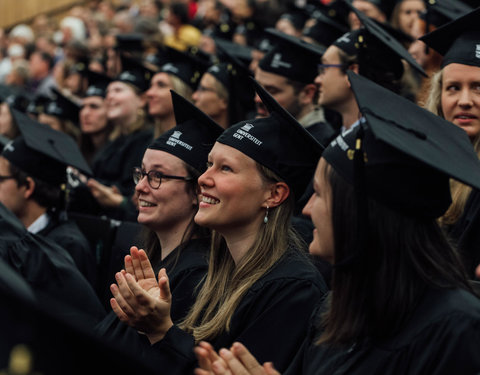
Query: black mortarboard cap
292,57
37,104
375,43
240,52
192,138
97,83
458,41
234,75
135,73
409,153
185,66
130,42
277,142
62,107
325,30
440,12
42,152
386,6
16,98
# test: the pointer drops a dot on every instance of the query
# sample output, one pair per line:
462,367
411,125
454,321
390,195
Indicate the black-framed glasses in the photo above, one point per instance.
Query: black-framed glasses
154,178
3,178
322,67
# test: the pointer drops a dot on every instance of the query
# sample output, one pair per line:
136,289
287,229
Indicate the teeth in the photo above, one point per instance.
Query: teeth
209,200
146,204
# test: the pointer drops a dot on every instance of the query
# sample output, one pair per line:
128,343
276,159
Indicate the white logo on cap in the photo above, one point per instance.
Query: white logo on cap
9,147
168,67
278,63
345,38
174,140
477,51
176,134
243,133
127,76
247,127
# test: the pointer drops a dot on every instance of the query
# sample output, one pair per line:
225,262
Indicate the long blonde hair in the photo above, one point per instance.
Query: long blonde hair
460,192
226,283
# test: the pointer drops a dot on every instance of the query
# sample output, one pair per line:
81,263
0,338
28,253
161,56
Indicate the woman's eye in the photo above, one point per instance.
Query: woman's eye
209,164
226,168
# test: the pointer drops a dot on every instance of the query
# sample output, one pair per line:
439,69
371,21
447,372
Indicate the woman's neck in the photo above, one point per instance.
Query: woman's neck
239,241
170,238
126,123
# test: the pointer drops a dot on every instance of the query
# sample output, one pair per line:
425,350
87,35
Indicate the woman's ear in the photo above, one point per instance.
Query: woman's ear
278,192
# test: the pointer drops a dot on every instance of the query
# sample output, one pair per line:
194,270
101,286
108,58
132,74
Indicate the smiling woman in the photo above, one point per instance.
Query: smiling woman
258,277
455,95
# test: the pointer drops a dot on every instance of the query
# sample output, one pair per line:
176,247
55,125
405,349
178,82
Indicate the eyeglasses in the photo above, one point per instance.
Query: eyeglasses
3,178
154,178
201,88
322,67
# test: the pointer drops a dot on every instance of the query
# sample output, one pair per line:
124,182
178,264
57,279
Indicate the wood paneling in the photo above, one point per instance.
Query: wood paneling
17,11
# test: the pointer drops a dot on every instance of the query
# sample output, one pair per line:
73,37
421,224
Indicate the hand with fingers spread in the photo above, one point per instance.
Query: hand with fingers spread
139,300
236,361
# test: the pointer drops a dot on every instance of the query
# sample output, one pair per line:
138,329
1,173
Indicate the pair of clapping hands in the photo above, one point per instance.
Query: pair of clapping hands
144,303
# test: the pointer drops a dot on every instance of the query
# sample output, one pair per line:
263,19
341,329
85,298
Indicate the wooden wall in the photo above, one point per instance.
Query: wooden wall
18,11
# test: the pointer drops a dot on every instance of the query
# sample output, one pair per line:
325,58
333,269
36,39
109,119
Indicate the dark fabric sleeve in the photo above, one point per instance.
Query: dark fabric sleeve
185,291
276,320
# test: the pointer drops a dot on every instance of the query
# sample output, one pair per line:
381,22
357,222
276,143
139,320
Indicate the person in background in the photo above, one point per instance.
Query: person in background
454,96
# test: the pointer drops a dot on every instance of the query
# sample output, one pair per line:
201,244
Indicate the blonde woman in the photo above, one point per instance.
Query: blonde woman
260,288
455,96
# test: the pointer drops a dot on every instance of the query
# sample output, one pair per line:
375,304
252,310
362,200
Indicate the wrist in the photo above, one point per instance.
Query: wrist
160,332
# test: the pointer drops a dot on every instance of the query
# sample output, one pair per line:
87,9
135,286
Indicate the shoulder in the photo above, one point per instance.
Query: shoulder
293,270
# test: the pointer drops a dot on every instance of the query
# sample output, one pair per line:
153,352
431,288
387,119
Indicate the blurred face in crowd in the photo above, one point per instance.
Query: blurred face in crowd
460,98
11,194
159,98
170,204
6,121
52,121
319,209
38,67
332,82
285,26
367,8
408,12
208,99
93,115
122,101
232,191
280,88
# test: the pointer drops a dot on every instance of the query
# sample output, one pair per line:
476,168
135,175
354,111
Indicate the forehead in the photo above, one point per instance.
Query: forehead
93,100
4,165
118,85
461,72
270,79
331,55
208,80
161,159
161,77
224,152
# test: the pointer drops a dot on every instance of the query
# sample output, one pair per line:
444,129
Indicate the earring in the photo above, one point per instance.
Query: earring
265,219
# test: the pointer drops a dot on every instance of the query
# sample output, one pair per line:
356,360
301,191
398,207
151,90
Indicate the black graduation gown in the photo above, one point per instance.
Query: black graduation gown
466,234
271,319
49,270
67,234
442,337
323,132
186,268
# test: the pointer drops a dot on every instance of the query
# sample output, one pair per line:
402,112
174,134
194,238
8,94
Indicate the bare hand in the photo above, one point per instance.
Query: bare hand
106,196
138,265
146,311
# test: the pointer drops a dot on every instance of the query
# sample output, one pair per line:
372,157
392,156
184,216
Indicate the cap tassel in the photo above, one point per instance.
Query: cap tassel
361,203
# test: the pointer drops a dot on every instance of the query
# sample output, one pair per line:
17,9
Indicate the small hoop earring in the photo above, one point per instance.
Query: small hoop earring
265,219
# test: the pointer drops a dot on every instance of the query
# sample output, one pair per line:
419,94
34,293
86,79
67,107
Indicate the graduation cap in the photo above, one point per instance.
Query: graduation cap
376,47
296,15
62,107
42,152
234,75
407,153
325,30
37,104
385,6
129,42
240,52
185,66
457,41
277,142
97,83
440,12
292,57
192,138
134,73
16,98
